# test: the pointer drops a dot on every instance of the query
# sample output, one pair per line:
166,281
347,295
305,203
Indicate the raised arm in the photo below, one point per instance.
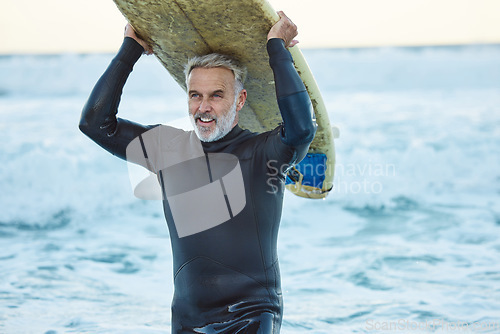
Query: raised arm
98,120
299,126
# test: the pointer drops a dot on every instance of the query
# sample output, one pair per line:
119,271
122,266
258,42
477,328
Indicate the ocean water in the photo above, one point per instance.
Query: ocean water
408,241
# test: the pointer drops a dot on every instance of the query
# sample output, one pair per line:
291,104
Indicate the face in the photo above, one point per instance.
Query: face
213,103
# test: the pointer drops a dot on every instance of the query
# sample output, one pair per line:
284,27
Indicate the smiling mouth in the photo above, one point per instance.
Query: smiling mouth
204,120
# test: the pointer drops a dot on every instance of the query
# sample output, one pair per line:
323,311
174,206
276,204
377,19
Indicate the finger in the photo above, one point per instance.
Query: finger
293,43
128,30
283,16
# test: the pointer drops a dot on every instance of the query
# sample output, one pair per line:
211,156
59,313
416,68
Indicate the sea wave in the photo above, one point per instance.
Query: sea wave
369,69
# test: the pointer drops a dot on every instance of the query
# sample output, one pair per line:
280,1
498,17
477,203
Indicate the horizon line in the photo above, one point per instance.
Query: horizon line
339,47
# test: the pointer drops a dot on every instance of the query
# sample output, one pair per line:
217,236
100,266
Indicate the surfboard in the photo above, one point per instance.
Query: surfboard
180,29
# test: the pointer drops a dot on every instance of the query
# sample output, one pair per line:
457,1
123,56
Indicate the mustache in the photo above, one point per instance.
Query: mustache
205,115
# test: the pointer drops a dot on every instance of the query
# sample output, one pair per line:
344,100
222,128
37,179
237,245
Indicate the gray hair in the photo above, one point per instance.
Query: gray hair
214,60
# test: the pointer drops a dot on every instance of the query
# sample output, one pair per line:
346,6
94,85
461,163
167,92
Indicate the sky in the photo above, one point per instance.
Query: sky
87,26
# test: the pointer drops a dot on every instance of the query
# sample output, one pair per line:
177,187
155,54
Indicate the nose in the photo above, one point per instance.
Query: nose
205,105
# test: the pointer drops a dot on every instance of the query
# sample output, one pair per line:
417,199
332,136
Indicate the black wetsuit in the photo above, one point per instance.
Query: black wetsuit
227,278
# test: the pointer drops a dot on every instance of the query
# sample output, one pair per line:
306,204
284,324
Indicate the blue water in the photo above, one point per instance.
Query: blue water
408,241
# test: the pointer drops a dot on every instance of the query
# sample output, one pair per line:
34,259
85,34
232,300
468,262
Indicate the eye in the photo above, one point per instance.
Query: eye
194,95
217,96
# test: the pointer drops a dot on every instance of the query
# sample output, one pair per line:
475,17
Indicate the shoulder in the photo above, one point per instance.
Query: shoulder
259,139
270,145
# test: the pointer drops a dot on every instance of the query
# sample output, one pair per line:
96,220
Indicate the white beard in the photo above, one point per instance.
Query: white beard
223,125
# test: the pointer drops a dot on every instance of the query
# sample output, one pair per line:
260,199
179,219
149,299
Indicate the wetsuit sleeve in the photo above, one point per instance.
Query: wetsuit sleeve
299,125
98,120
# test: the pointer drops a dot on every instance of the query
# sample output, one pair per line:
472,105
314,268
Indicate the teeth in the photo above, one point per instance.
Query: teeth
203,119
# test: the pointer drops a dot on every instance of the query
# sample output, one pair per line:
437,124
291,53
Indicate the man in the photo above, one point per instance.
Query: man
226,275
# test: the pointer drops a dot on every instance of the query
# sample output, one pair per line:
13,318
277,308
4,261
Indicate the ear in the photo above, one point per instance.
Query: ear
241,99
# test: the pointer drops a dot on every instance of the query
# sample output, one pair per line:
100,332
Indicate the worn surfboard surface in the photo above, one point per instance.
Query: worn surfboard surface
180,29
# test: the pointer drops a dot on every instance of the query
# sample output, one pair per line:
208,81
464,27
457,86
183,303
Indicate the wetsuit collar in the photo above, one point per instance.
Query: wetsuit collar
225,141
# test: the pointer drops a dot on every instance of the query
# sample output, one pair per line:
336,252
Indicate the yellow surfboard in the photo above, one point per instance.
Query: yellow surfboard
180,29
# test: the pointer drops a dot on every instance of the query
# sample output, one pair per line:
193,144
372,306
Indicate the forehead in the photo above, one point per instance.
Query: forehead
217,78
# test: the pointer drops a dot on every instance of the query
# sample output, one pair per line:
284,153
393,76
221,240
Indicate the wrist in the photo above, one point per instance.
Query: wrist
277,51
130,51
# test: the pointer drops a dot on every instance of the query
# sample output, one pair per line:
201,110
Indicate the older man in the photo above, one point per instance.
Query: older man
226,274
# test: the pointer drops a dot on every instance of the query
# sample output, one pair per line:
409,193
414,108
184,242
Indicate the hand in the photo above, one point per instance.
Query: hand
284,29
130,32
